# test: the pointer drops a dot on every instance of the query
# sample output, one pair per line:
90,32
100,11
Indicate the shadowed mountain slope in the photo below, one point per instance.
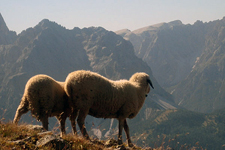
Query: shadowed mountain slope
187,60
49,48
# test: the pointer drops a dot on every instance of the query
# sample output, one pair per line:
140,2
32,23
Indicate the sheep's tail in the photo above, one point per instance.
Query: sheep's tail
69,91
69,94
22,109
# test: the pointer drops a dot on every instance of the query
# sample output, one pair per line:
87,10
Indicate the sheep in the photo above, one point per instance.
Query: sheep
45,97
100,97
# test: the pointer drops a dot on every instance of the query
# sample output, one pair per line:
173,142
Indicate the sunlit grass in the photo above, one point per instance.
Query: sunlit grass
10,132
26,138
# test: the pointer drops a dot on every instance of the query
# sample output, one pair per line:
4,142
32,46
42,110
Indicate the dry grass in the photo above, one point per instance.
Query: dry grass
11,132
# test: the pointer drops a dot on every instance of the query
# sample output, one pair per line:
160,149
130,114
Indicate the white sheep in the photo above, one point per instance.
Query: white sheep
100,97
45,97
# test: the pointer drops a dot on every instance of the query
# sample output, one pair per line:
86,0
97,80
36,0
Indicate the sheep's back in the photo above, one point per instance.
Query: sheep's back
42,93
103,97
88,85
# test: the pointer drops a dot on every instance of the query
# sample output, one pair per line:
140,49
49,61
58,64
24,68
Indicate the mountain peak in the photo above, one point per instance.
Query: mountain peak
123,32
3,27
45,23
6,36
175,23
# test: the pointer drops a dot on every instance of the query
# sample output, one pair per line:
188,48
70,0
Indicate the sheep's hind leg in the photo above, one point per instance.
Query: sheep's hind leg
44,121
22,109
73,117
126,128
81,118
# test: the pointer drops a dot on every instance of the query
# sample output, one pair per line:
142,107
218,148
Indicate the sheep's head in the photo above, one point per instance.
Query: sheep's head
142,78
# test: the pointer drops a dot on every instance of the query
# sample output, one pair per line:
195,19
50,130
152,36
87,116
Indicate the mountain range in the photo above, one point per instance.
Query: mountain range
187,60
49,48
185,64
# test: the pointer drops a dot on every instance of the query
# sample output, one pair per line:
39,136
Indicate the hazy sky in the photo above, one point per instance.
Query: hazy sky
110,14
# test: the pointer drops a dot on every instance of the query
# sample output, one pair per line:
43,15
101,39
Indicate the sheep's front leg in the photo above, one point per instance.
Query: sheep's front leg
80,120
121,126
73,117
126,128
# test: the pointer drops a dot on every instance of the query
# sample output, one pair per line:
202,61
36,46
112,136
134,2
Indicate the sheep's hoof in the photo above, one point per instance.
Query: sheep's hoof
62,134
87,138
120,142
130,144
121,147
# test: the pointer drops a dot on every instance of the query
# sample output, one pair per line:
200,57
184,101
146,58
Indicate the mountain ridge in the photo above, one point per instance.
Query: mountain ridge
49,48
176,51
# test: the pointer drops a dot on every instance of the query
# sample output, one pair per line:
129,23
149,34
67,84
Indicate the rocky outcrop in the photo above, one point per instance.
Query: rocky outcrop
54,141
41,140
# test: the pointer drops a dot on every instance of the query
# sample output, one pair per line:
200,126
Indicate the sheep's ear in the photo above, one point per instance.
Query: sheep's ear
150,82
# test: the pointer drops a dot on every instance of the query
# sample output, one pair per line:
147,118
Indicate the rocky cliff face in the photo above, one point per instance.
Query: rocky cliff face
203,88
170,49
185,55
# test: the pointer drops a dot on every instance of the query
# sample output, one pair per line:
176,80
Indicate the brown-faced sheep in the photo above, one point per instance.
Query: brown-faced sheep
45,97
100,97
